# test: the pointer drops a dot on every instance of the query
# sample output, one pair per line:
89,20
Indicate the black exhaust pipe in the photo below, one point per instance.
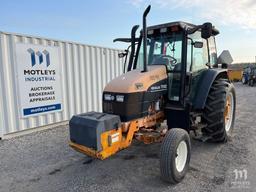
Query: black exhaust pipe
144,34
133,41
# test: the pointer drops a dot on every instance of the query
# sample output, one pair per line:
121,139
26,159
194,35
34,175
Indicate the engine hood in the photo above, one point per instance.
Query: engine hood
136,81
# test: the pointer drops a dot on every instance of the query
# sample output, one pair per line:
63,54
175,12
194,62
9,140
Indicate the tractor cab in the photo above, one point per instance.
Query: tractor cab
180,47
183,48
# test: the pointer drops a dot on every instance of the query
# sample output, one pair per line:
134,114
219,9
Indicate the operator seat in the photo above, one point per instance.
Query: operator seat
177,67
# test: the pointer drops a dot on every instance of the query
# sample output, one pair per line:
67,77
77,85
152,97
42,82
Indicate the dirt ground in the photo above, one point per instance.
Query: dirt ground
43,161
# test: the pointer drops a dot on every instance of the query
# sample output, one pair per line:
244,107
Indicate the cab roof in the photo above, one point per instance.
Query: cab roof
183,25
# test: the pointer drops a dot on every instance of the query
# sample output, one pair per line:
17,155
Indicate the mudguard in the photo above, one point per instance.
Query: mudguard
205,84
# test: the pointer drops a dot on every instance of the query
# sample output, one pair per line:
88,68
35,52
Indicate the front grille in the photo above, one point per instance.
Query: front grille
108,107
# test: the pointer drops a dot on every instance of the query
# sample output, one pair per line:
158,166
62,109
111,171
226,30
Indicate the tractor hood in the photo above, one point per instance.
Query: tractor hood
137,81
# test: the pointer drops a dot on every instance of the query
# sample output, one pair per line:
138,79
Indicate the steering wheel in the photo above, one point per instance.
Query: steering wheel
173,61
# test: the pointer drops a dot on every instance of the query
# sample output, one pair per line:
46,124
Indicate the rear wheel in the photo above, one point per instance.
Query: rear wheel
175,155
219,112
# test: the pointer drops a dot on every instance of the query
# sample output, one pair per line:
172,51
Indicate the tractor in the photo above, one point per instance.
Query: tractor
245,75
252,77
171,76
249,75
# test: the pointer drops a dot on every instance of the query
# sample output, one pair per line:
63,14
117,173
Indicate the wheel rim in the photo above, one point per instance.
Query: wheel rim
181,156
228,115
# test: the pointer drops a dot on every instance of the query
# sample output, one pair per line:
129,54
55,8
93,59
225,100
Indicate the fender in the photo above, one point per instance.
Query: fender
207,80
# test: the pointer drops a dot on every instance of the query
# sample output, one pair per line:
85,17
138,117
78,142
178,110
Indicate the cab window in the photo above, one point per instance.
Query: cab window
212,51
163,49
200,55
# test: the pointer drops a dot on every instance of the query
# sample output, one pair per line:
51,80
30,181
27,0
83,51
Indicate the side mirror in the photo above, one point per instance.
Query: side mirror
206,30
123,54
198,44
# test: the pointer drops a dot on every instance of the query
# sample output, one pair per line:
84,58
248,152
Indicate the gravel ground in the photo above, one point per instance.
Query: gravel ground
43,161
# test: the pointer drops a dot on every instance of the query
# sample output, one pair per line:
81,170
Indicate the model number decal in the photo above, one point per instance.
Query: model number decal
158,88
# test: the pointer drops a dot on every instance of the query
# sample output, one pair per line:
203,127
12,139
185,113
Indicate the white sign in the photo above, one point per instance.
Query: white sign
38,79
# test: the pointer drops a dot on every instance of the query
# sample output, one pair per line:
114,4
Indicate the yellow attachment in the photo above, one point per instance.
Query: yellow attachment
235,75
110,142
114,140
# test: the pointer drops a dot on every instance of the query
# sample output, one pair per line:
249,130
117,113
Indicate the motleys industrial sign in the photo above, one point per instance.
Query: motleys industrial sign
39,82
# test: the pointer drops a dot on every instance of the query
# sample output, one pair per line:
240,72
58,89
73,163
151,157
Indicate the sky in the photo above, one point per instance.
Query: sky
99,22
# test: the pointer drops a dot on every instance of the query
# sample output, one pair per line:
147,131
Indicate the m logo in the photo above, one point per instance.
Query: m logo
240,174
40,56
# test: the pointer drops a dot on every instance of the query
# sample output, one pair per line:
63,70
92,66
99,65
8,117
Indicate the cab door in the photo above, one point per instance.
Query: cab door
197,61
175,74
167,50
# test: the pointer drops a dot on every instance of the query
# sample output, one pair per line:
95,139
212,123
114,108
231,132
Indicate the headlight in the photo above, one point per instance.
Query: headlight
120,98
108,97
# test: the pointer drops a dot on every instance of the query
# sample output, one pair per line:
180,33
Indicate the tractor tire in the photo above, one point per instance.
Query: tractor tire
244,80
219,112
175,155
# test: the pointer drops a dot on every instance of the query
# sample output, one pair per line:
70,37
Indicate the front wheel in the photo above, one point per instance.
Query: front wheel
175,155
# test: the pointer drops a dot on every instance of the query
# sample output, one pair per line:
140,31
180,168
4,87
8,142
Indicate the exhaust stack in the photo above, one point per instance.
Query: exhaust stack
144,34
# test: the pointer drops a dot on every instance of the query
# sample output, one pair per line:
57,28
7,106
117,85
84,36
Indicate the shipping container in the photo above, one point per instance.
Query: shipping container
82,72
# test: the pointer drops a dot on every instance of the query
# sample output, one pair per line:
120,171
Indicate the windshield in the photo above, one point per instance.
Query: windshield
164,49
